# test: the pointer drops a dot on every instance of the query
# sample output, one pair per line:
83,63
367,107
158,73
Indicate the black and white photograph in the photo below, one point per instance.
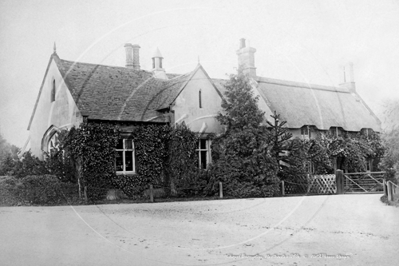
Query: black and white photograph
199,132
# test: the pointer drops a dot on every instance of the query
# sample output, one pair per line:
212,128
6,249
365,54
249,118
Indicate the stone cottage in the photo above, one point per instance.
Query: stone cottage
73,92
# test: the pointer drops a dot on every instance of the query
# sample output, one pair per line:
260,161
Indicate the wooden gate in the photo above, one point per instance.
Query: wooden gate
365,182
322,184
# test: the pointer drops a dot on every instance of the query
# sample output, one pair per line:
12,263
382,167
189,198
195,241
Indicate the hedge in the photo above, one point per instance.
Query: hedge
41,190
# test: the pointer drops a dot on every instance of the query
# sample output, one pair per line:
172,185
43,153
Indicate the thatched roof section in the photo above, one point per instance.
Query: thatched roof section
306,104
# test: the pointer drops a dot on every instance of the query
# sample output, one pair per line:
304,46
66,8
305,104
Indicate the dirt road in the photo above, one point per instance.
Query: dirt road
317,230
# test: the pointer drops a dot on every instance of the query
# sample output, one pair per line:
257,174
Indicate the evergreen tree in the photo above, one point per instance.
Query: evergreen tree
243,153
279,137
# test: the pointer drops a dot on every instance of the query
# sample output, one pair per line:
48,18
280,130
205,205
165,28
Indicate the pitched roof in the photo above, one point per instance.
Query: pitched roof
307,104
118,93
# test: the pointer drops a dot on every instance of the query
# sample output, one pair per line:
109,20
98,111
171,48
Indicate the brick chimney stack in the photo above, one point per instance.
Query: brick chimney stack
129,55
246,58
132,56
136,57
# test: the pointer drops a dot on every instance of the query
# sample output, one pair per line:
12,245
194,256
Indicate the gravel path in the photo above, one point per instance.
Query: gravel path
317,230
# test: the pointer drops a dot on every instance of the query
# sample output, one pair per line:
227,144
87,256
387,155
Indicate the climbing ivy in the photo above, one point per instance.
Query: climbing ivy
150,142
182,161
92,150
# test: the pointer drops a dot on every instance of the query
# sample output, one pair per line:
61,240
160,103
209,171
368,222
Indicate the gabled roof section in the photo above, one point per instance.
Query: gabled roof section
307,104
152,96
120,94
173,87
41,89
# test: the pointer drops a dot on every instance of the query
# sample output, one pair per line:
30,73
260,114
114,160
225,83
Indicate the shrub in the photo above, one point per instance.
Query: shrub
181,164
132,185
43,190
92,150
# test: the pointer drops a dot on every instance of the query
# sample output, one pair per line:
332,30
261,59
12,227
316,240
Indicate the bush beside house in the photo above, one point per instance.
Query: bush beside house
36,190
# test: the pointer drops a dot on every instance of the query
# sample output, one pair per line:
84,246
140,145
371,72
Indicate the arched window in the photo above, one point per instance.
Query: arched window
200,98
53,92
53,143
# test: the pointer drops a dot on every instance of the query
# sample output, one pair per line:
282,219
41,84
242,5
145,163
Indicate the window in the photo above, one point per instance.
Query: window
125,159
336,131
367,132
153,62
306,132
53,92
200,98
53,143
204,153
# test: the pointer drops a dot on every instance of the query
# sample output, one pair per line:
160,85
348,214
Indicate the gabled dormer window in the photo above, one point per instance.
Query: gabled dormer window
53,92
200,98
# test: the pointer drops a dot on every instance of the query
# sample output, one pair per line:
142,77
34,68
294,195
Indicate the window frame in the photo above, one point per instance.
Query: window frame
337,131
367,132
52,141
207,149
306,132
124,150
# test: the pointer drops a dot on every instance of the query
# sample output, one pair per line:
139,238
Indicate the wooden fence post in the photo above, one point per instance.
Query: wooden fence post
151,193
339,180
384,186
390,190
221,190
282,188
85,193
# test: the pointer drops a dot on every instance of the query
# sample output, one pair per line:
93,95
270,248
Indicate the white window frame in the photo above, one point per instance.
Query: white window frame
53,142
207,149
305,132
338,131
123,150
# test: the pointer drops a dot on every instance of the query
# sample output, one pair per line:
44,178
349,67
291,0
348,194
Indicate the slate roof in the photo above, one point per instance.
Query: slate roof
307,104
118,93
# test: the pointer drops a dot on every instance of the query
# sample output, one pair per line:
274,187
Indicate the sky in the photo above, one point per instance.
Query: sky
306,41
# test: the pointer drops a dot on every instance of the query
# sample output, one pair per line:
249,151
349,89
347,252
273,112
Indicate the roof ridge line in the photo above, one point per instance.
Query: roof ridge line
92,64
290,83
